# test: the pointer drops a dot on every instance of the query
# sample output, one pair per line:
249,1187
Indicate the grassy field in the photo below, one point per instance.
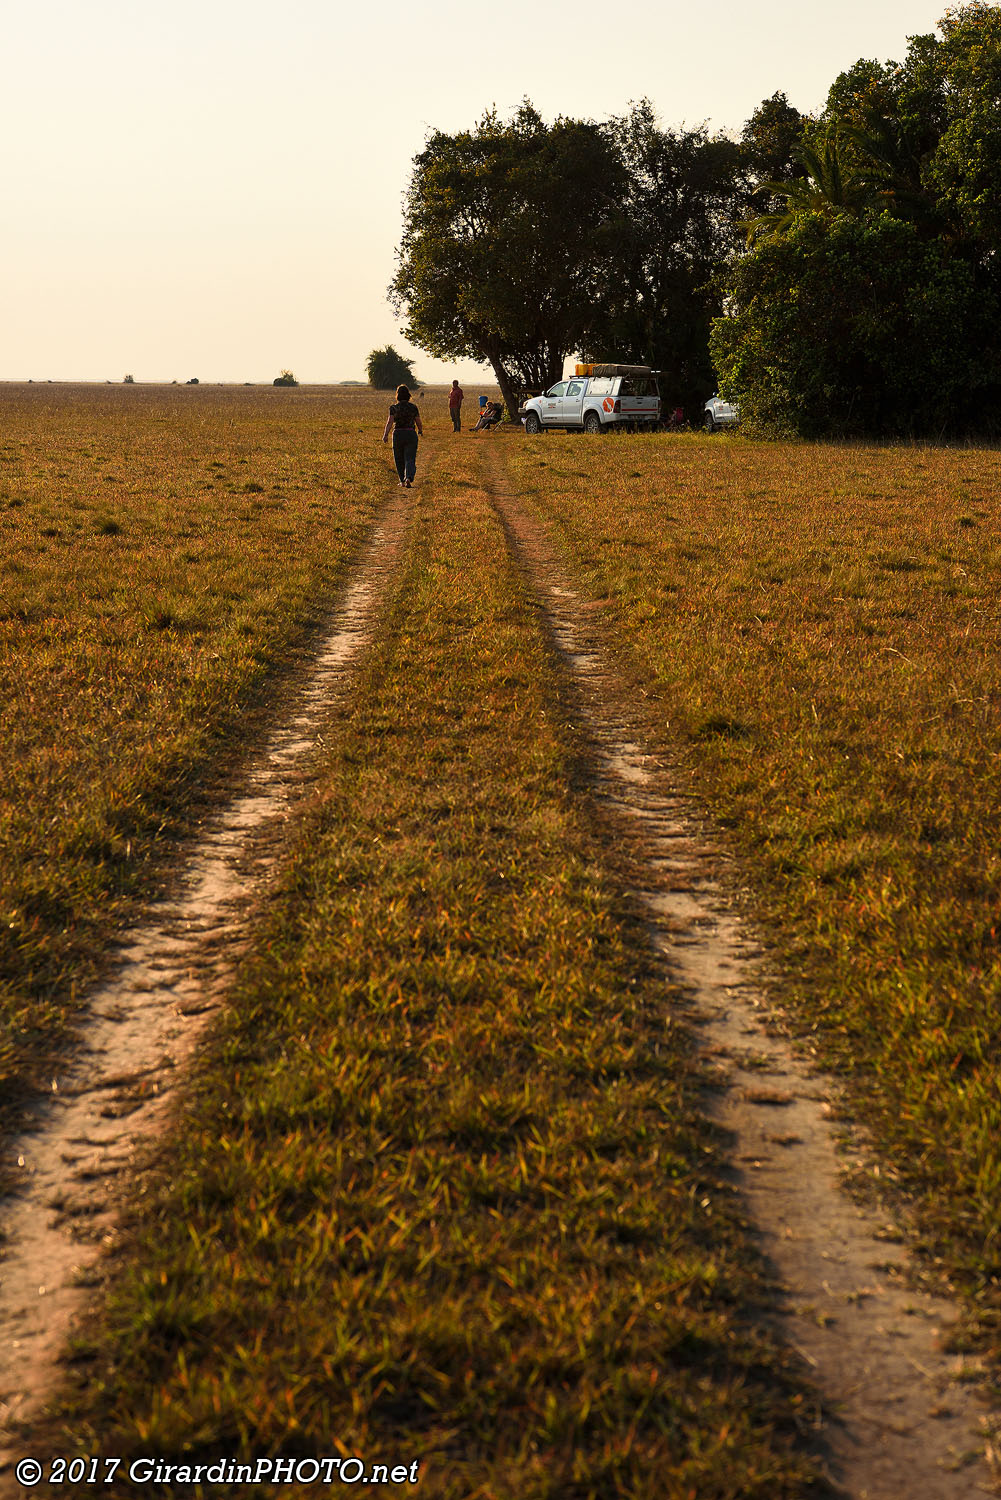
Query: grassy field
816,634
442,1194
163,554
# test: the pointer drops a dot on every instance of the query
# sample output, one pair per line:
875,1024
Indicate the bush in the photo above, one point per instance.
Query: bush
285,378
386,369
853,326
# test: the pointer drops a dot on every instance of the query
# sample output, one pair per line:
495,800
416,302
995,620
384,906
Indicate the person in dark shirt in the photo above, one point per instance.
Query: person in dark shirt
404,422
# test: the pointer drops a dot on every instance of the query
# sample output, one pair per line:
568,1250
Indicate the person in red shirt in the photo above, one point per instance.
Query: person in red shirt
455,406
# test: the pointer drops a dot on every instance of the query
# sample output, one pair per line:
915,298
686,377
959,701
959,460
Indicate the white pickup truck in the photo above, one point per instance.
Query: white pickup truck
598,396
718,413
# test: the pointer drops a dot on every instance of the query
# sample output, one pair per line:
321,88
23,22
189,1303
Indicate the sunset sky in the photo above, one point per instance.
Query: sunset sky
213,188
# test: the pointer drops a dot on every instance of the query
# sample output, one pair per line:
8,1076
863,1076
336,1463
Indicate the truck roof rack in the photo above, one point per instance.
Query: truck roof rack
614,370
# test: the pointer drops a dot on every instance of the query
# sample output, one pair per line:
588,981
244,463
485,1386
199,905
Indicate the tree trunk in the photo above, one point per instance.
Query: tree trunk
555,370
507,387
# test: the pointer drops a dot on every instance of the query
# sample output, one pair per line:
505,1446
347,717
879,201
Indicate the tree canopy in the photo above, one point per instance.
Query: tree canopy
680,201
868,302
507,238
838,273
850,324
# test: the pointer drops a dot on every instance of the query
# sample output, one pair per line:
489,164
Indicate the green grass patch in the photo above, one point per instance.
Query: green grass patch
442,1193
834,604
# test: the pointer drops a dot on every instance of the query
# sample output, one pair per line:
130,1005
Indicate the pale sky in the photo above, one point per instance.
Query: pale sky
213,188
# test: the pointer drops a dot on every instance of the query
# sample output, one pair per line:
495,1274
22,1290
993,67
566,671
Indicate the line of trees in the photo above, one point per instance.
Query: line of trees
525,242
834,274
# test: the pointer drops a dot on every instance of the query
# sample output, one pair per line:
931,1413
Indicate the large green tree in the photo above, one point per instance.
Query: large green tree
852,325
887,120
966,165
682,196
869,301
768,156
927,132
827,186
508,246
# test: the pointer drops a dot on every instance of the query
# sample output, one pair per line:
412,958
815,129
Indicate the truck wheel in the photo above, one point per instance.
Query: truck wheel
592,422
710,423
532,423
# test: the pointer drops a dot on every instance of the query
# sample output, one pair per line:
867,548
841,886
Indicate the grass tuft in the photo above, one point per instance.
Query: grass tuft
721,726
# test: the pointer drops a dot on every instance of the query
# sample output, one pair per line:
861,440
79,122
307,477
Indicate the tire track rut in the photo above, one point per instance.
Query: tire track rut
113,1096
897,1414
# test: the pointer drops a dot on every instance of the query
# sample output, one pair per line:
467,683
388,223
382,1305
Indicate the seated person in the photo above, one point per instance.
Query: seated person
490,415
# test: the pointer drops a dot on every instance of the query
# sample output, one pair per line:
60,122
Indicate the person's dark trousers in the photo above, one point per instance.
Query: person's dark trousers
456,412
405,453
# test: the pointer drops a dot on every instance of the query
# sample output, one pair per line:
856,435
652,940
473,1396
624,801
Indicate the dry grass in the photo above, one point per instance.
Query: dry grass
817,635
163,553
442,1194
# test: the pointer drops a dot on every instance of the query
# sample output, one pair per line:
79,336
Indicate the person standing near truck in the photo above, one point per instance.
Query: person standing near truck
455,398
404,422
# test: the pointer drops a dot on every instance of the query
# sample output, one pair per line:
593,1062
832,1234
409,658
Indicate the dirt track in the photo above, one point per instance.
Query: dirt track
115,1094
898,1416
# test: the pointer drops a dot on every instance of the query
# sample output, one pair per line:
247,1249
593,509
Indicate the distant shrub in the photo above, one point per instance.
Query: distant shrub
386,369
129,380
285,378
192,381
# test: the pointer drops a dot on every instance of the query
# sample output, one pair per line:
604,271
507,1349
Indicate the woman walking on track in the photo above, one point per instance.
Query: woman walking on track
405,424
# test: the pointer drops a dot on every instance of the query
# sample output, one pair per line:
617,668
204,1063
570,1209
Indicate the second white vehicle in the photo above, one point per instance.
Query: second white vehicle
718,413
598,397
